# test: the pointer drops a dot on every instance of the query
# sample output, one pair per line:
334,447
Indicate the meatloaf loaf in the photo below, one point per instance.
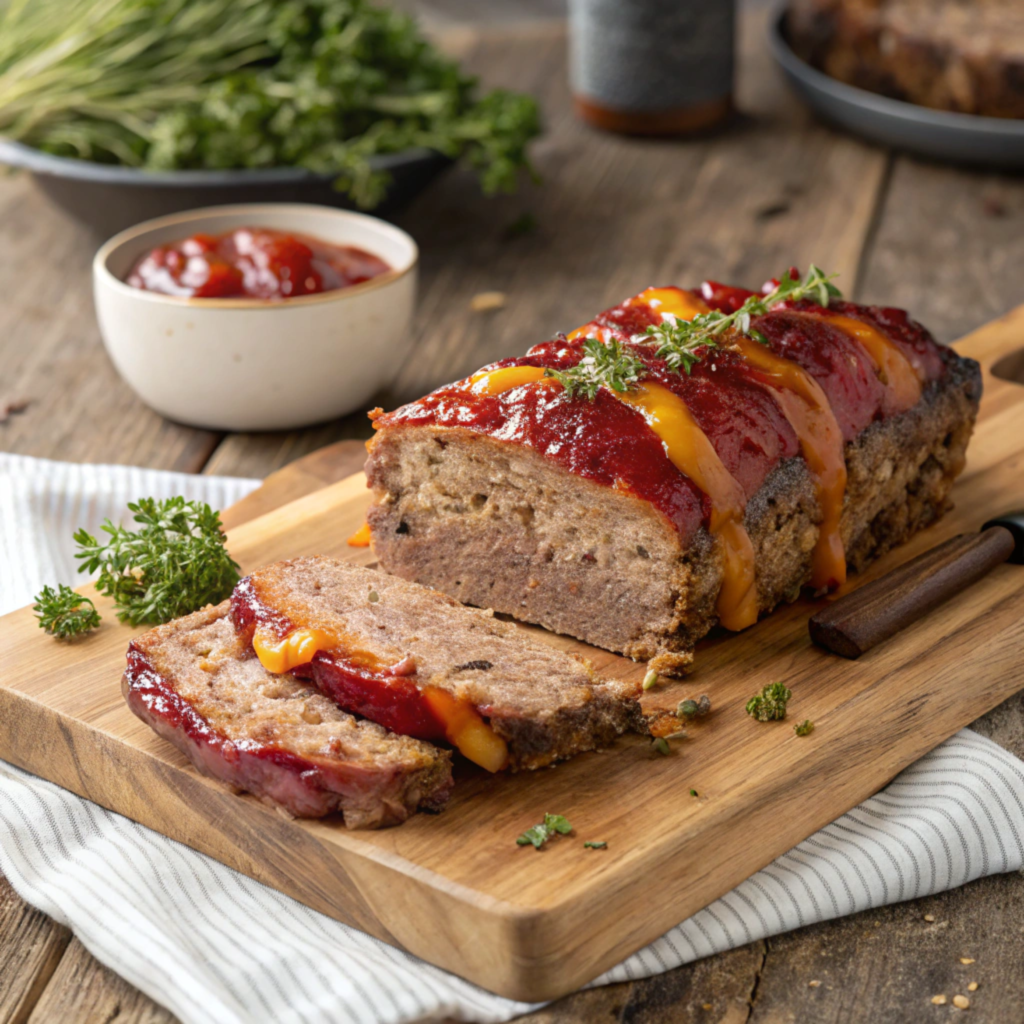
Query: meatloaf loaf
960,55
637,519
197,684
423,665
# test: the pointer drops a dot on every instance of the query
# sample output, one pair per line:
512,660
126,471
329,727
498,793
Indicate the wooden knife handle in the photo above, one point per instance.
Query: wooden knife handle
858,621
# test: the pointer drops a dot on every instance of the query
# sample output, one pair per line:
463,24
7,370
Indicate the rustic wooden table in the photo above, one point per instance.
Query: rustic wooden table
611,216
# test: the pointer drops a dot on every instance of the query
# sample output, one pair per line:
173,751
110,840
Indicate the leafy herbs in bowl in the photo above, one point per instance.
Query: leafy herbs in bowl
196,92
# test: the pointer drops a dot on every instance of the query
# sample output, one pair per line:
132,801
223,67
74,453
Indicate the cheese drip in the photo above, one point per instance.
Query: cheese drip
676,301
496,382
807,409
463,726
282,654
690,451
896,372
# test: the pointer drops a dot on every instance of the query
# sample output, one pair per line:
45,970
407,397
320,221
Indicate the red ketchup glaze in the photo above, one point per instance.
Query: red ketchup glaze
609,442
392,701
603,440
253,263
373,691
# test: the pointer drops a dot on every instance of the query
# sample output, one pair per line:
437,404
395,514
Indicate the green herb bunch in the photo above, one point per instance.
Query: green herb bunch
65,614
553,824
327,85
770,704
682,343
679,341
175,563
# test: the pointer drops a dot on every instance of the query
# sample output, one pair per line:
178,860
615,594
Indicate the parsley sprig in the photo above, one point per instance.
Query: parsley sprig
770,704
610,365
553,824
679,342
65,614
175,563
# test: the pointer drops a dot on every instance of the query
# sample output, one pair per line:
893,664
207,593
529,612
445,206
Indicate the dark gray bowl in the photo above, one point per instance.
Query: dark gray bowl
110,198
943,135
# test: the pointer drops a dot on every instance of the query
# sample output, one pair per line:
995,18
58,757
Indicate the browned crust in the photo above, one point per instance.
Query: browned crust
524,546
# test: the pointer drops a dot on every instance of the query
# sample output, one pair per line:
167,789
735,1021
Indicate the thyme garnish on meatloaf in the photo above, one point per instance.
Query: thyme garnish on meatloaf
682,343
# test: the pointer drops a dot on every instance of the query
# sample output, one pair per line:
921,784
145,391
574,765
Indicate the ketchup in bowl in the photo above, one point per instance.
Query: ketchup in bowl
253,263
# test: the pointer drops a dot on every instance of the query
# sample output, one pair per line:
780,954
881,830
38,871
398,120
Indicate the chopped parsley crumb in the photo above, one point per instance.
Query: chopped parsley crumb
805,728
595,845
661,745
691,708
770,704
693,792
553,824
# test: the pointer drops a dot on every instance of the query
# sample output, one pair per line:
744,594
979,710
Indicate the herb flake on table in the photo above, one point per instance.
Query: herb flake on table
592,844
65,614
538,835
690,708
804,728
174,564
770,704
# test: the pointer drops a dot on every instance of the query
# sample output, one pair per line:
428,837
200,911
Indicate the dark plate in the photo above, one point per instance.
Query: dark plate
959,138
110,198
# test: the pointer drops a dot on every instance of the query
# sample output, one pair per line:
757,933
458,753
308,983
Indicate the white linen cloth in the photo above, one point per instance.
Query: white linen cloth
215,946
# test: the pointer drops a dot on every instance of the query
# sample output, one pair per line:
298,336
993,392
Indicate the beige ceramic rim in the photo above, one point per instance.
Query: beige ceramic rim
187,216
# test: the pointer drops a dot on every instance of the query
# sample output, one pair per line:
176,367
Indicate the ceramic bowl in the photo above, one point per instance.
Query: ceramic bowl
257,364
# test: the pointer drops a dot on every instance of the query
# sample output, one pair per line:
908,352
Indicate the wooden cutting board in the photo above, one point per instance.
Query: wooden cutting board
455,889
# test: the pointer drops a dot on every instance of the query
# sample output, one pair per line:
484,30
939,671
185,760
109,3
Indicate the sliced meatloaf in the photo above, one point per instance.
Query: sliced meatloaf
832,440
960,55
198,685
424,665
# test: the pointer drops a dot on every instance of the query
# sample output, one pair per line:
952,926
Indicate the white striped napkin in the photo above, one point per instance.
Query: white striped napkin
214,946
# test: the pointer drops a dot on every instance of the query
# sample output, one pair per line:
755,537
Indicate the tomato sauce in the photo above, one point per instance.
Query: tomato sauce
255,263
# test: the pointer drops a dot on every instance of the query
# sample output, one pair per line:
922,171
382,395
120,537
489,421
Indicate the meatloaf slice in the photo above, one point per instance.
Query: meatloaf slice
197,684
422,664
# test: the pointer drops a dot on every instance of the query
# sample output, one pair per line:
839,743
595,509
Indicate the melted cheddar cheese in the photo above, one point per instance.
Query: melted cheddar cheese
466,730
894,369
690,451
496,382
283,654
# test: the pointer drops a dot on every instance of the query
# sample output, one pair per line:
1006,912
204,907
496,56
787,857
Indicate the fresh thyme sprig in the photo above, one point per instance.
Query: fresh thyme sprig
610,365
64,614
174,564
679,341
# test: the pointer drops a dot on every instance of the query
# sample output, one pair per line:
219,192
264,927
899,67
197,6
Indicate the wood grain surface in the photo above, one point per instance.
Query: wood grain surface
534,927
944,242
